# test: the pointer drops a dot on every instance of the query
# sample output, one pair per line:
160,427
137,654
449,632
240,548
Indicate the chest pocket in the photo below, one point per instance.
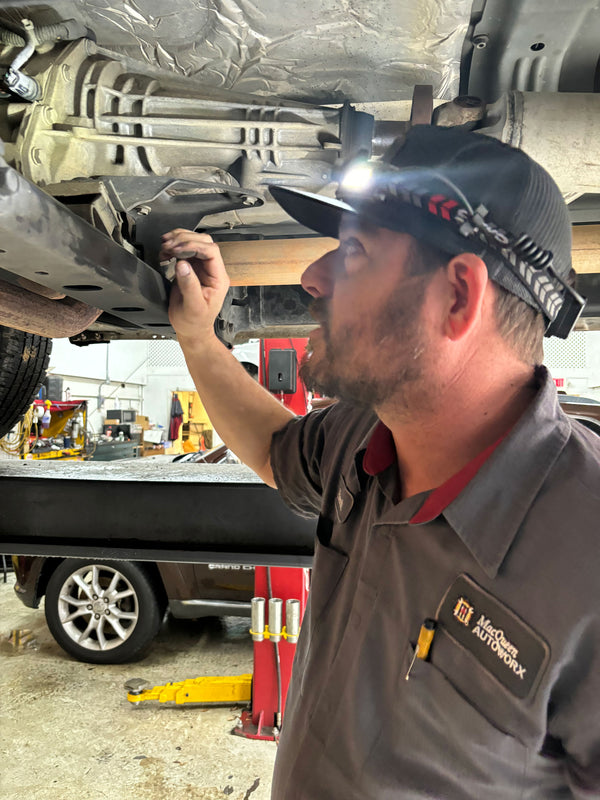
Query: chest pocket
442,733
492,657
477,688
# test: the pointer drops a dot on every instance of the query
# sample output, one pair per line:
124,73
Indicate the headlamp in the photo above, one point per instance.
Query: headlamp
357,179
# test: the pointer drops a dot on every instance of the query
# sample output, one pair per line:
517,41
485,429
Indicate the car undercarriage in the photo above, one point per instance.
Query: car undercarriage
122,120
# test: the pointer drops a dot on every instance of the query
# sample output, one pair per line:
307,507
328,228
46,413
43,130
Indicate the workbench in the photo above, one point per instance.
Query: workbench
149,511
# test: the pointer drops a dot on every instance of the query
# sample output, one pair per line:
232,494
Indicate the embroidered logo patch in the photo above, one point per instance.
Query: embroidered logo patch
463,611
501,641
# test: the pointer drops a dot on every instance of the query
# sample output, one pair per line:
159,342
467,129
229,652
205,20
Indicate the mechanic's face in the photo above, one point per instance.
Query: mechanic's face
371,342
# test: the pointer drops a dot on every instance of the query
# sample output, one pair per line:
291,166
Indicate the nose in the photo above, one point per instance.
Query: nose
318,278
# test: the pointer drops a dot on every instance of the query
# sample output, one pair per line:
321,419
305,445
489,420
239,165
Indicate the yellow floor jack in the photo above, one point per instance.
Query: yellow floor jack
265,690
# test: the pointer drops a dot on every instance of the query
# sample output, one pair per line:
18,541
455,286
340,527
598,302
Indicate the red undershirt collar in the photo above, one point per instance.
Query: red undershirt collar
381,454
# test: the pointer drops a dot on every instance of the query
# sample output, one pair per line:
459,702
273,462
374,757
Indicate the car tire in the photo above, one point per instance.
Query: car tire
24,360
103,612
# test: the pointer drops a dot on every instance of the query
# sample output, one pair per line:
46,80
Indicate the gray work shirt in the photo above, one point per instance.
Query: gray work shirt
508,703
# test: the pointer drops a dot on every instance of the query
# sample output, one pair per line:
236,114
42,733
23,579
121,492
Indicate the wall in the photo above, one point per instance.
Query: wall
108,376
128,374
575,361
167,372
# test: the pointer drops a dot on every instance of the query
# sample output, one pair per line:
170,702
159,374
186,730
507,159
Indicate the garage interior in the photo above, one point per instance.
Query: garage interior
119,122
68,730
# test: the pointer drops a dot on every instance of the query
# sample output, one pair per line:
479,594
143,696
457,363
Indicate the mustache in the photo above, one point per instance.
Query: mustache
319,310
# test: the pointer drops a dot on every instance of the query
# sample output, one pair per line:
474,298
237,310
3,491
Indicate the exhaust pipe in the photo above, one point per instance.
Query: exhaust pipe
33,313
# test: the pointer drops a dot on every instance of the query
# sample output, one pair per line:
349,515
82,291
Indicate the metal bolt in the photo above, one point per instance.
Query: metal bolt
89,608
136,685
95,596
143,211
96,616
107,612
106,599
481,41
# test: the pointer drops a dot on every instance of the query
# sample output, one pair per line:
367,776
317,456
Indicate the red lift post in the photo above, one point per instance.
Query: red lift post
279,603
275,642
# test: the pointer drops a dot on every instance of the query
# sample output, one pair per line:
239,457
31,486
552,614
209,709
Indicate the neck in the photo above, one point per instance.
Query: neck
438,437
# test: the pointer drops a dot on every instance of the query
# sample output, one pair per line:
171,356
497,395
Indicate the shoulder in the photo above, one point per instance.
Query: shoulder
310,452
329,435
580,460
562,522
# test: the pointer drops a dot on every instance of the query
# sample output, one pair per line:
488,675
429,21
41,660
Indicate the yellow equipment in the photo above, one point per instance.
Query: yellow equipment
219,690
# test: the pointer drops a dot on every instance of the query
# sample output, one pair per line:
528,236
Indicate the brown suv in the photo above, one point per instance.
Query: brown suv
108,612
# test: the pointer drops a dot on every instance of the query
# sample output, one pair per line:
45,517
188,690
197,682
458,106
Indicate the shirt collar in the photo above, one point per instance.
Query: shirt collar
486,502
381,452
488,513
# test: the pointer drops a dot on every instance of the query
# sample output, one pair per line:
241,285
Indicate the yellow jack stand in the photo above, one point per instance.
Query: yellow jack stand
219,690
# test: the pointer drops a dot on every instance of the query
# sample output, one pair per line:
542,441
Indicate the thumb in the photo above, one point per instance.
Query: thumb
183,270
187,282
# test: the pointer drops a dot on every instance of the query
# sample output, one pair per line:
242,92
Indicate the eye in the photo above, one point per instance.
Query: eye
351,247
351,256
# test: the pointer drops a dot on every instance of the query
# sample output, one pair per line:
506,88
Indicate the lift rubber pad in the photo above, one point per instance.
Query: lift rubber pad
149,511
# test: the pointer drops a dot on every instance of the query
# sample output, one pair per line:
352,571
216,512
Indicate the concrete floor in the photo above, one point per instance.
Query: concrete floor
67,731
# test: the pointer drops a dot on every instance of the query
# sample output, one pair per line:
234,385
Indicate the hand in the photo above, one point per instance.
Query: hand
201,283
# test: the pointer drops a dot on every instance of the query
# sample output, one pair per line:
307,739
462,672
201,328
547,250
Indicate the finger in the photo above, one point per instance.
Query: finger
178,235
189,285
190,247
184,273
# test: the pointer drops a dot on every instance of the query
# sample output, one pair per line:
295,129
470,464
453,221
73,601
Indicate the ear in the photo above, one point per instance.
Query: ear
468,283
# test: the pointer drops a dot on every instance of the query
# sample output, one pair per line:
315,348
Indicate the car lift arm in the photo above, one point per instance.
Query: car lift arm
193,513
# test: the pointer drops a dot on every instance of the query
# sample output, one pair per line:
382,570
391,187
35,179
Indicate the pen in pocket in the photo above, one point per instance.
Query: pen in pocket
423,643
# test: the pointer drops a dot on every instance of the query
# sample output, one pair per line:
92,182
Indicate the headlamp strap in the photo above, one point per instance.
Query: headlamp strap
531,264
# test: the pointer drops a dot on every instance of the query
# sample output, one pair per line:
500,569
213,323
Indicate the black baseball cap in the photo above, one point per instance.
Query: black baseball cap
461,191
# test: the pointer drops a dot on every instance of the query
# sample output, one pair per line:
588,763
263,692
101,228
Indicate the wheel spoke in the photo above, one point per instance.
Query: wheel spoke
120,614
80,612
100,633
96,580
117,627
122,595
85,587
74,601
113,584
84,635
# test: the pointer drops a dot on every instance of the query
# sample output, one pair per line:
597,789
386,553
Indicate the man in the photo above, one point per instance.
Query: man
452,644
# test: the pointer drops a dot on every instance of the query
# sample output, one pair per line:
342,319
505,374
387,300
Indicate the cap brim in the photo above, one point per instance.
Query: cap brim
320,214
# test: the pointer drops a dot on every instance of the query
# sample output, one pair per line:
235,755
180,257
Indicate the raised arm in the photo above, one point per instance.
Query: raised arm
243,413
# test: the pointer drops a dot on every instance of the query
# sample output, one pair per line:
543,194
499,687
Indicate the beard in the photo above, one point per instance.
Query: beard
375,362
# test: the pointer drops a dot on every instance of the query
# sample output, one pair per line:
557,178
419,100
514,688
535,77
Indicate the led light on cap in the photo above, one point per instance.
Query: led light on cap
357,179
